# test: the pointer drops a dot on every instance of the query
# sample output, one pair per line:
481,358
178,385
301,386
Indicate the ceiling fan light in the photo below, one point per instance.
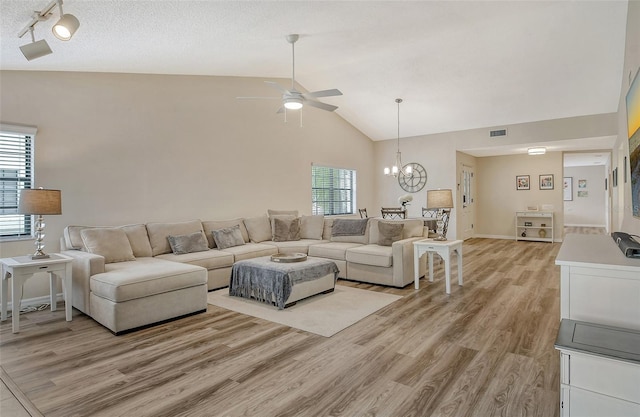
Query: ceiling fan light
293,103
66,27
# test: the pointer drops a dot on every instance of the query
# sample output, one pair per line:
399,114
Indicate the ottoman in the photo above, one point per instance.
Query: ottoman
282,284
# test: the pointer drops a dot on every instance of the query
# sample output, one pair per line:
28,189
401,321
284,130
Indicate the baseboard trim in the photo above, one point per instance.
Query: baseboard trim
36,301
584,225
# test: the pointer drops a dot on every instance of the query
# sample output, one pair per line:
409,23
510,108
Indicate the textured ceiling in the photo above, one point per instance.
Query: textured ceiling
458,65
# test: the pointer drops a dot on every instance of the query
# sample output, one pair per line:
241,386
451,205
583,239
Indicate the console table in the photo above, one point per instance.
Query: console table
20,269
444,248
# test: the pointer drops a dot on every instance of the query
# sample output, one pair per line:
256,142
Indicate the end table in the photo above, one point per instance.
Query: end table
21,268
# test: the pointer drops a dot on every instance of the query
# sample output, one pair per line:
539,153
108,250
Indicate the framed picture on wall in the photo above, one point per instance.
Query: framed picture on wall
546,182
522,182
567,187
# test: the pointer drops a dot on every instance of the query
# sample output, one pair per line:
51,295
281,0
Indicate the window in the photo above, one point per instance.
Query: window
333,190
16,173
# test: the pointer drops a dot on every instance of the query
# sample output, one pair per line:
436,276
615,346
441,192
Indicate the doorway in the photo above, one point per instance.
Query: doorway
467,190
587,189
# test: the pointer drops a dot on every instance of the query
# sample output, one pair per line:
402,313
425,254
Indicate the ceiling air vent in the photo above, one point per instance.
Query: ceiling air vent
501,132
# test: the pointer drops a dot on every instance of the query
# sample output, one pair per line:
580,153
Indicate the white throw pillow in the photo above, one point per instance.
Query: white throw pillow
311,227
259,228
111,243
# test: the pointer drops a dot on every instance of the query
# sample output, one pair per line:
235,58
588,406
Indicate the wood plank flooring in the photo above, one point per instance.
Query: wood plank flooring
485,350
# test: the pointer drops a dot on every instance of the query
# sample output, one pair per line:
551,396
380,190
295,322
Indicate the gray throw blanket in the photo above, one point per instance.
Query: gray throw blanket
349,227
268,281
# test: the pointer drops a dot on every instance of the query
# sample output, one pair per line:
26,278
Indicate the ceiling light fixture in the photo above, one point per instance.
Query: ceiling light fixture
541,150
64,29
35,49
397,169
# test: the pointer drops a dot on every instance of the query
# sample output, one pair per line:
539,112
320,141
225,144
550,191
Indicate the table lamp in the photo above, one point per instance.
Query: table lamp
442,200
38,201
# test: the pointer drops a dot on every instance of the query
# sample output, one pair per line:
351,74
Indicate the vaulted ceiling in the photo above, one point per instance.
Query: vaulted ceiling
457,64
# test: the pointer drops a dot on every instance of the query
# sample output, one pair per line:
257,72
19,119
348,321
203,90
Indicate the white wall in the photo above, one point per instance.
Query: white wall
622,218
586,210
498,199
133,148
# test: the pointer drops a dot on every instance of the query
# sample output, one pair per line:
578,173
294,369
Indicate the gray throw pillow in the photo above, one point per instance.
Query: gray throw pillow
349,227
228,237
389,233
193,242
285,228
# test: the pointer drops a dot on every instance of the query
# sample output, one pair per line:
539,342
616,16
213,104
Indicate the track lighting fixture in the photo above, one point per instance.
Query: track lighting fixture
35,49
64,29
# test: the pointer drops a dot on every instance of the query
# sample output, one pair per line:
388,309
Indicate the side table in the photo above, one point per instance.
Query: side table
21,268
442,248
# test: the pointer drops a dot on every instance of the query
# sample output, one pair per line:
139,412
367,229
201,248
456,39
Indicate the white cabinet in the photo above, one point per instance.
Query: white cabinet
599,337
534,225
598,284
599,370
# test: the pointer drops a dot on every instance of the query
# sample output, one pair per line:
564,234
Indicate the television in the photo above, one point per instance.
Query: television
633,126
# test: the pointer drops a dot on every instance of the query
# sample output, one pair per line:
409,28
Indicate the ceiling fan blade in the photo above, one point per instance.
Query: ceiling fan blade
280,110
259,98
323,106
323,93
276,86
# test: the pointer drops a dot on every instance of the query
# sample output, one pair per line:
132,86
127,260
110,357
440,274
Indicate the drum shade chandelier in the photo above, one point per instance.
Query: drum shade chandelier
64,29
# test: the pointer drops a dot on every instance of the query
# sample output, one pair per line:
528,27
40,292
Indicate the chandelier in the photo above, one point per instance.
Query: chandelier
397,168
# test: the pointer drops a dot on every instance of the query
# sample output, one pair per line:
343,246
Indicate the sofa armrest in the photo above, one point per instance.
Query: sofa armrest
83,266
403,266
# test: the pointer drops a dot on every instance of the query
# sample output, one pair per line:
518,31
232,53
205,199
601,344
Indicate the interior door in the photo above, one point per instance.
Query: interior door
468,211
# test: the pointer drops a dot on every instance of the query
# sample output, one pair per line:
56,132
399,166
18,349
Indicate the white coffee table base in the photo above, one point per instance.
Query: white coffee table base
443,248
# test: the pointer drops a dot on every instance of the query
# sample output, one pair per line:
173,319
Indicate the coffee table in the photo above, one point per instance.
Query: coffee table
282,284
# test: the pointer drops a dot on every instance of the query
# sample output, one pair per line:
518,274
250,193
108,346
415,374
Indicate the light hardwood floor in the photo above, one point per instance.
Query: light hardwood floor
485,350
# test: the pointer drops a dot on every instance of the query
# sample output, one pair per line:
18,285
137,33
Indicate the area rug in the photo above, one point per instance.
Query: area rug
324,314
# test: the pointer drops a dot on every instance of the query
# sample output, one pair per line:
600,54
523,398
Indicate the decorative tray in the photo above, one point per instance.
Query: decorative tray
289,257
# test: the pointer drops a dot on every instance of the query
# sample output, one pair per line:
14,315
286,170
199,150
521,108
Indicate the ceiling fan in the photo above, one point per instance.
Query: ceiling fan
293,99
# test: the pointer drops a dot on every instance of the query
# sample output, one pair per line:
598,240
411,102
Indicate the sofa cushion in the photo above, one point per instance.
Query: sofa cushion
311,227
193,242
295,246
228,237
110,243
332,250
259,228
210,259
251,250
374,255
272,213
285,228
389,233
159,233
210,226
141,278
136,233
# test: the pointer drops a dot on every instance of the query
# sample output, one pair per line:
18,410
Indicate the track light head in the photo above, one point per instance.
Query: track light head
66,27
35,49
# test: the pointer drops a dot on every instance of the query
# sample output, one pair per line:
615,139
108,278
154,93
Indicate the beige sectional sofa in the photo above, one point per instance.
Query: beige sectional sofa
132,276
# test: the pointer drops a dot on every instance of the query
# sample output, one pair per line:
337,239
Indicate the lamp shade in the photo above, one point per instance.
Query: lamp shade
40,201
66,27
438,199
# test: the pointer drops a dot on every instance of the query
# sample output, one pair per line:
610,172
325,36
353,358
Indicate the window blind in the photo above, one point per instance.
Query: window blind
16,173
333,190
